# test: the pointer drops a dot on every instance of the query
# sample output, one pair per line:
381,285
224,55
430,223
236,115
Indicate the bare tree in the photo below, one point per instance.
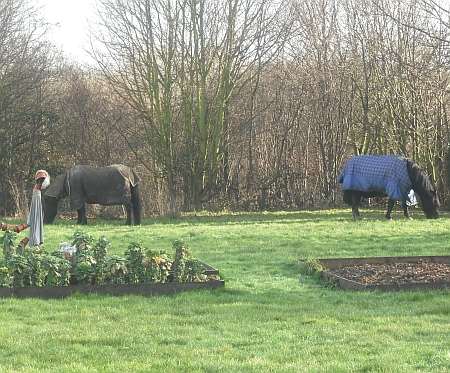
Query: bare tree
178,63
25,69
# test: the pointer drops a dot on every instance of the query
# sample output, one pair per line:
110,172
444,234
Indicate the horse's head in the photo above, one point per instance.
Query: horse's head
51,196
423,186
431,204
50,207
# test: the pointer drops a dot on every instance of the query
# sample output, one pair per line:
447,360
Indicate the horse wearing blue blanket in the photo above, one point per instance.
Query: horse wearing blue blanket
384,175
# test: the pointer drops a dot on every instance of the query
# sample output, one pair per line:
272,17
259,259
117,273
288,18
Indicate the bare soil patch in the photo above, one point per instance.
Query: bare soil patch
422,272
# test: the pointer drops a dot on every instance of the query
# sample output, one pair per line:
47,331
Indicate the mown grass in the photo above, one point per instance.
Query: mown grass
268,317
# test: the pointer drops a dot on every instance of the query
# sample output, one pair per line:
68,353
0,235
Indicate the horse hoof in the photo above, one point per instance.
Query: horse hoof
388,217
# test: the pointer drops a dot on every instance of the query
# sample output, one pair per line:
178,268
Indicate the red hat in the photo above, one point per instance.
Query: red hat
41,174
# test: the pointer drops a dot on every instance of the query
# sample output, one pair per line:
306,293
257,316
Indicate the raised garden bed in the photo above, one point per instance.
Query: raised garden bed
385,273
114,289
84,266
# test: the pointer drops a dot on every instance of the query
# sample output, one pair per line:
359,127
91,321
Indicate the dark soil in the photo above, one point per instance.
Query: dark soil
395,274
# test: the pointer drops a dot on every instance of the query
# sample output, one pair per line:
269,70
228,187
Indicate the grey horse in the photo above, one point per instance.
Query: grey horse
112,185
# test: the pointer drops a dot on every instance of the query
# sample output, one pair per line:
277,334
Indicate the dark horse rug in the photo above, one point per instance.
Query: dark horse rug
377,173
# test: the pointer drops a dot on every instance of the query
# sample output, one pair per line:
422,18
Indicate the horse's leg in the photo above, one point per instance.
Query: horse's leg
406,210
129,214
132,213
79,217
82,215
391,203
356,200
136,204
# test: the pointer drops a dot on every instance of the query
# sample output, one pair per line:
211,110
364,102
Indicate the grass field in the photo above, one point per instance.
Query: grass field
267,318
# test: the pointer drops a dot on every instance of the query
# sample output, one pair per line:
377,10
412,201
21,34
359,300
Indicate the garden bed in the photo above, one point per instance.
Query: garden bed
387,273
167,288
84,266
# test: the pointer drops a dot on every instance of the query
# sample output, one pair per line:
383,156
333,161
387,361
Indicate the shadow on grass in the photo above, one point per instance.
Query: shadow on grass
225,218
248,218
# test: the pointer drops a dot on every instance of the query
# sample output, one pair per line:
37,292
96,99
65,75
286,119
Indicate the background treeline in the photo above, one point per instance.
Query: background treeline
239,104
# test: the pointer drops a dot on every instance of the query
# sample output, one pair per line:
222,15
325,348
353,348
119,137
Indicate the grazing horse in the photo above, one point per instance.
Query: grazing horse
383,175
111,185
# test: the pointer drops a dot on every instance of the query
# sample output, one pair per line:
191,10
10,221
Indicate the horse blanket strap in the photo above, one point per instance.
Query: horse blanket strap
377,173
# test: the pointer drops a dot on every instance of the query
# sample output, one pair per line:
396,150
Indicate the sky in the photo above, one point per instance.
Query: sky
69,21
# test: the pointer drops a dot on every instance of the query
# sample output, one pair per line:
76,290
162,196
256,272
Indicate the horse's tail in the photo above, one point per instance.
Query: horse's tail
136,201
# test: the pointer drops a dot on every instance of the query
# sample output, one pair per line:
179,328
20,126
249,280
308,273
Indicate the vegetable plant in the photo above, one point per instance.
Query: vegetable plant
157,266
100,253
91,264
135,263
116,271
179,264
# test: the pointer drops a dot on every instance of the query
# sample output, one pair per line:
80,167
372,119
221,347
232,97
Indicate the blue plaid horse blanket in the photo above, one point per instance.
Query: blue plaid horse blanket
377,173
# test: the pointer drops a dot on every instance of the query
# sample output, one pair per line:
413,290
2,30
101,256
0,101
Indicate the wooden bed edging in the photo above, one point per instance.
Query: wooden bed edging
116,290
150,289
347,284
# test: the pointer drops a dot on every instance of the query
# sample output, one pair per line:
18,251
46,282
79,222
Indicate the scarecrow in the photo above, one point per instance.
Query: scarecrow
35,219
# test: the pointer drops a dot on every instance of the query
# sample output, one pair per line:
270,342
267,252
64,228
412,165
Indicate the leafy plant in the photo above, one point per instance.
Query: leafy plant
157,266
310,266
100,251
82,241
5,277
18,269
35,272
135,263
179,264
9,243
84,267
91,265
58,270
116,271
195,271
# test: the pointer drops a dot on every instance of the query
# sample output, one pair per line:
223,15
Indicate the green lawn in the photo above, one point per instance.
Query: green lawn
267,318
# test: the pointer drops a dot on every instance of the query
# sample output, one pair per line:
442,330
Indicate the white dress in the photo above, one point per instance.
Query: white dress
36,219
